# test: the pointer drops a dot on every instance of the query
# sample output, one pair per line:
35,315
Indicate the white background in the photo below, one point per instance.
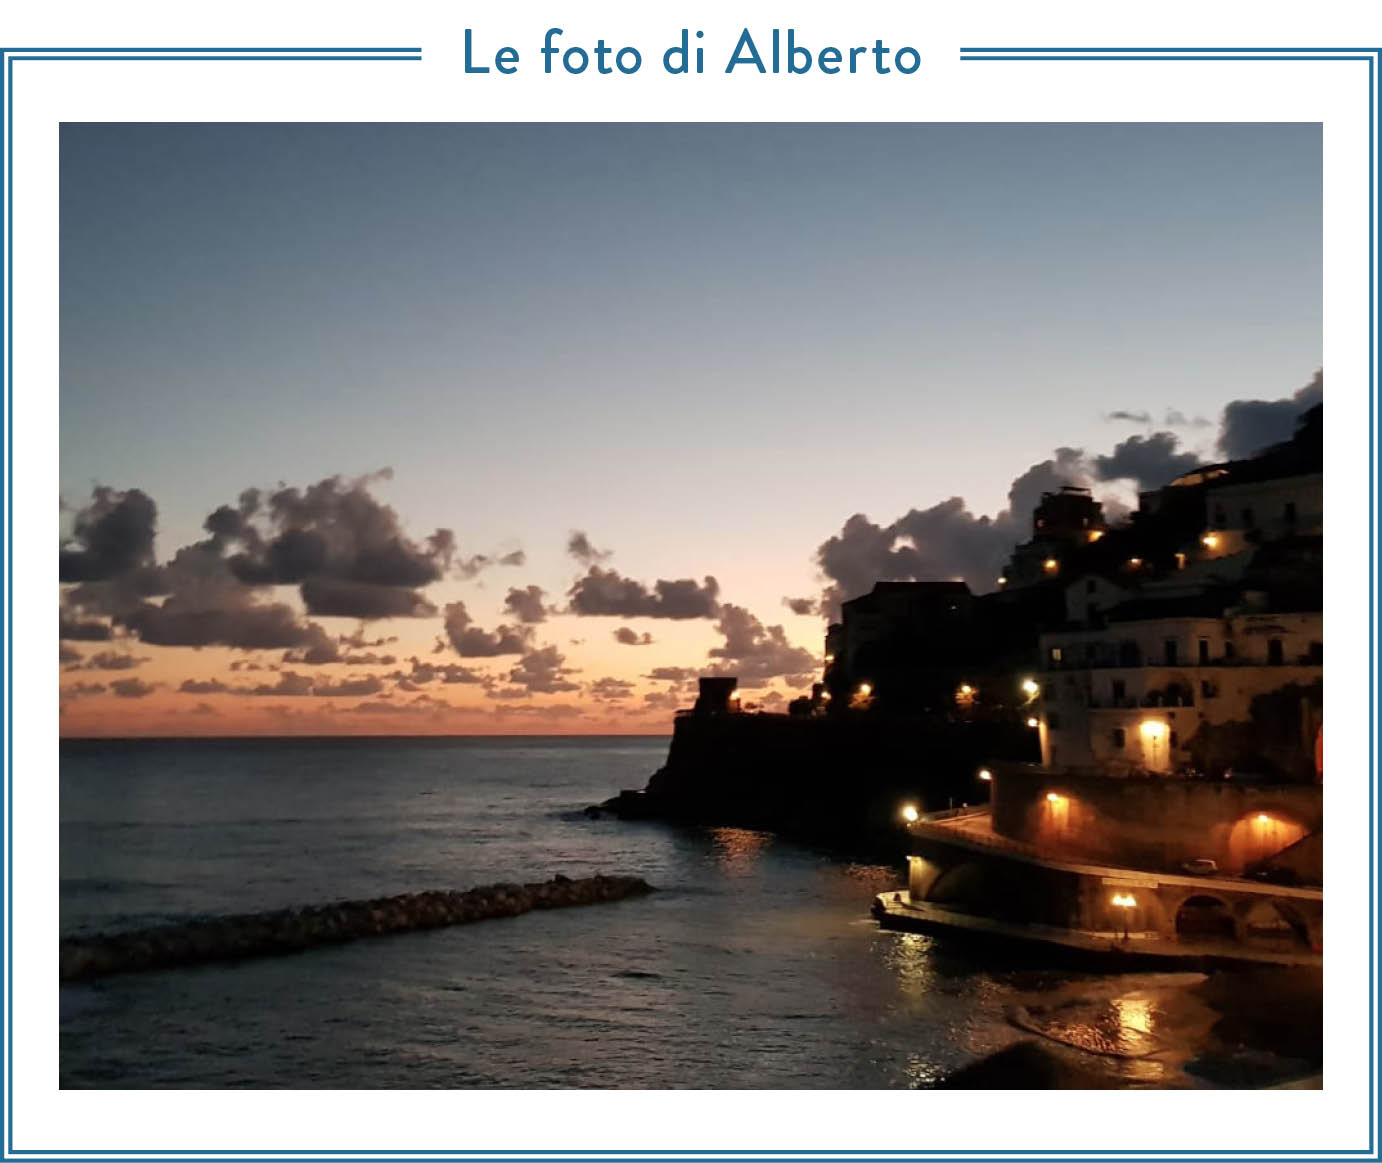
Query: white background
944,89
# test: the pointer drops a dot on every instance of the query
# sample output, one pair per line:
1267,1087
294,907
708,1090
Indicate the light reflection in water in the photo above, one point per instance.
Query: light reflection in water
737,850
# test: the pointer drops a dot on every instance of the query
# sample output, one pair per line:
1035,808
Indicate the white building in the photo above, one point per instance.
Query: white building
1129,695
1240,515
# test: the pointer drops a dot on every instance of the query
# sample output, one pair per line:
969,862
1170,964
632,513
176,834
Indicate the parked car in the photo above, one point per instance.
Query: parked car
1275,874
1202,867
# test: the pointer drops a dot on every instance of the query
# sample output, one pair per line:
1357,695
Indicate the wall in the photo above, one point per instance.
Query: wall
1149,822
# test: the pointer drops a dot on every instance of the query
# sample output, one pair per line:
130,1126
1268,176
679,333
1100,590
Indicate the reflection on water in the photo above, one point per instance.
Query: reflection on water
737,850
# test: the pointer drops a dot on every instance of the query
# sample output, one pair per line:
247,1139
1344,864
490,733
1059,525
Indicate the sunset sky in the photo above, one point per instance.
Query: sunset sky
503,428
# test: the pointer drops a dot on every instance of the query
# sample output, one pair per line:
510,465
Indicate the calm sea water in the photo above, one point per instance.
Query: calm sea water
755,965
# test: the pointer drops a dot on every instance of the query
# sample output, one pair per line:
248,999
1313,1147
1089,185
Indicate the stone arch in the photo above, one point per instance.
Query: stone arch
1203,916
1271,922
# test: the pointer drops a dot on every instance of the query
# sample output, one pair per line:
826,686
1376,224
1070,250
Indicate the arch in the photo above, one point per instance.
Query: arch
1272,923
1258,835
1202,917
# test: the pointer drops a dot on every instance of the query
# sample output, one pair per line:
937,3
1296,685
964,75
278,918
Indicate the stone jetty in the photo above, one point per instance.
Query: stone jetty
291,930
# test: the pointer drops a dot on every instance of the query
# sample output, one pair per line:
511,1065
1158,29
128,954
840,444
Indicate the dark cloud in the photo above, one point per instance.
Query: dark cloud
208,606
755,652
542,672
423,673
1148,461
609,690
133,688
526,604
203,709
341,597
469,641
1249,426
369,684
671,673
603,592
112,535
1178,419
68,654
802,605
943,542
196,686
626,637
578,546
110,660
79,630
667,700
517,557
289,683
527,711
339,543
78,690
1130,417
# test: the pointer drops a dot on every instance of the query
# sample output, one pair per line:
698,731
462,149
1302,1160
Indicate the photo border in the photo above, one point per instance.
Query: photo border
11,56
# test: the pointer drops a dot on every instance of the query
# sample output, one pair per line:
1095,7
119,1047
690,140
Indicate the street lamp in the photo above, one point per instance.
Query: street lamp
1030,687
910,813
1127,902
986,775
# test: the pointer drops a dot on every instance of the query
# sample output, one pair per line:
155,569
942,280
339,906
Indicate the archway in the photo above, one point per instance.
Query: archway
1275,925
1260,835
1204,918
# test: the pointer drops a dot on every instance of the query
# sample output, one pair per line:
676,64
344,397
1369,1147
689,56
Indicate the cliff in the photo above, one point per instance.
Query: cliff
838,782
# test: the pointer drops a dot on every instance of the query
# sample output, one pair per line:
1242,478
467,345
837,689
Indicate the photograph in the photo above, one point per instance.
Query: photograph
674,605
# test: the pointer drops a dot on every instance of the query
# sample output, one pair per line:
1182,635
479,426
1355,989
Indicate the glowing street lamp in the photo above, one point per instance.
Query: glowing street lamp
910,813
986,775
1210,541
1030,687
1034,723
865,689
1050,565
1127,902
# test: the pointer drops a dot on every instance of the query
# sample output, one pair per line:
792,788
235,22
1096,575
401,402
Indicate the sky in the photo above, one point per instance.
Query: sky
760,363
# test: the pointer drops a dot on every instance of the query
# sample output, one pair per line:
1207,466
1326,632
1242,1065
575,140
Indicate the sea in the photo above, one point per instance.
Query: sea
754,965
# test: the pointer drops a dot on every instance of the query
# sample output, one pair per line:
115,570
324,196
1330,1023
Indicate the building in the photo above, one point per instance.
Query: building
1134,694
1064,522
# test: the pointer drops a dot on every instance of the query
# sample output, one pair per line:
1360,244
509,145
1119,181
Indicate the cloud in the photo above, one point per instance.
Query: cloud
369,684
1130,417
77,630
604,593
626,637
943,542
109,660
289,683
578,546
423,673
209,606
667,700
1149,461
79,690
68,654
111,535
671,673
542,672
1249,426
341,597
196,686
517,557
610,689
549,711
469,641
526,604
755,652
1178,419
133,688
339,543
203,709
802,605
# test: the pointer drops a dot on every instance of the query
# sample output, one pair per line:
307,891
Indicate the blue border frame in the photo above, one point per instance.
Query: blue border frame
10,56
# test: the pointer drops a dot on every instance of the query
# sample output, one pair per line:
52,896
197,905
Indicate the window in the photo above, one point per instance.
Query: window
1120,689
1091,586
1247,519
1056,654
1290,513
1172,652
1208,690
1230,651
1276,653
1120,738
1204,651
1129,654
1174,739
1219,518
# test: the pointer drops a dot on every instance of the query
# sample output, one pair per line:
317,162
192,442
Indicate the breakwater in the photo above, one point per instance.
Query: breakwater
292,930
